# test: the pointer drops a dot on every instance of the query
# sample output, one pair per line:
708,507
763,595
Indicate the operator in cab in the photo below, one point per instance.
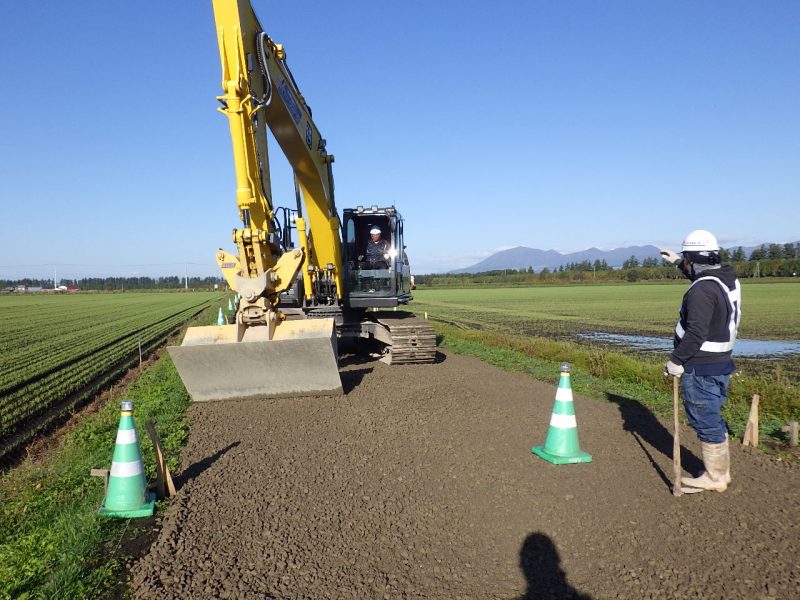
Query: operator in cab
376,254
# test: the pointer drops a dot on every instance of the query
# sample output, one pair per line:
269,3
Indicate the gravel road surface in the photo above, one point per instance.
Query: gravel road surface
419,482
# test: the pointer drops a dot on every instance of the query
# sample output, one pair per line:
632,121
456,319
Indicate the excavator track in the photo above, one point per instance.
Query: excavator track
413,339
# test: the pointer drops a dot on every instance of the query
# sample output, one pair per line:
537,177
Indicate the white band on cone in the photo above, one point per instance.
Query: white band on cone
564,395
126,469
126,436
563,421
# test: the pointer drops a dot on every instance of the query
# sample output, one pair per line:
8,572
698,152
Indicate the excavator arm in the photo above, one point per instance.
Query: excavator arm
260,93
264,353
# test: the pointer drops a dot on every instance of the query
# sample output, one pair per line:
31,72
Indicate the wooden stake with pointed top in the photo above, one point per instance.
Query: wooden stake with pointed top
165,487
751,430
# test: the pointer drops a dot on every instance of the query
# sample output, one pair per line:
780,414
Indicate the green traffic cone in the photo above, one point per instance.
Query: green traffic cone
561,445
127,494
230,305
220,318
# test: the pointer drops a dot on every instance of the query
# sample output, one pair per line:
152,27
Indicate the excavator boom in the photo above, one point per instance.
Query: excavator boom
265,353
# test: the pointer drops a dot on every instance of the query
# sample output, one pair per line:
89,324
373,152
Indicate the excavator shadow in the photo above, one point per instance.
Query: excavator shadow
352,378
368,353
352,358
647,430
195,469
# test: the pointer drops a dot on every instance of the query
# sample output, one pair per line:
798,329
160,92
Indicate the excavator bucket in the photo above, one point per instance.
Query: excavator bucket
299,360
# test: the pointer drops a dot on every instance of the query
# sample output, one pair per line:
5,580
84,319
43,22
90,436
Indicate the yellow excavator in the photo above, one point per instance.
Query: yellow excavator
300,274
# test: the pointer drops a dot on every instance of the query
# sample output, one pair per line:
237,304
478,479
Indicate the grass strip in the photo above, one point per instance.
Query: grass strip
599,373
53,544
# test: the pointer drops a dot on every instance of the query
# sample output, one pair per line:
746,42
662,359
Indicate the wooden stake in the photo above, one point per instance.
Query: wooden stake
676,442
751,431
792,429
165,487
104,473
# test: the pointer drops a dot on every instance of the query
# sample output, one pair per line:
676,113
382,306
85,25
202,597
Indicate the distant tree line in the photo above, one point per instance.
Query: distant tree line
768,260
121,283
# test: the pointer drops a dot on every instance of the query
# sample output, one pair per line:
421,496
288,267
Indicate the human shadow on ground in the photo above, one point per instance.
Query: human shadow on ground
541,566
352,378
644,426
201,465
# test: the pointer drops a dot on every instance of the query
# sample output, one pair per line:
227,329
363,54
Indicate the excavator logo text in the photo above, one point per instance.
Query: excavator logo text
289,101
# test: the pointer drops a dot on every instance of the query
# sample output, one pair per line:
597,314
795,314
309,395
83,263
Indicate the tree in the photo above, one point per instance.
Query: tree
759,253
775,251
738,255
631,263
789,251
650,262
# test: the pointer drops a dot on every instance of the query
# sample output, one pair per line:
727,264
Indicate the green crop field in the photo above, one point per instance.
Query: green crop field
56,346
529,329
769,311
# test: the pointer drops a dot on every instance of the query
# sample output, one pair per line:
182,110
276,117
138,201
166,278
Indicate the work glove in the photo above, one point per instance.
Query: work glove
386,256
360,257
670,257
673,369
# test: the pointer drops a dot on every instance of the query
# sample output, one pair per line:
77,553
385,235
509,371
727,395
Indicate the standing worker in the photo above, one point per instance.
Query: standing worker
704,338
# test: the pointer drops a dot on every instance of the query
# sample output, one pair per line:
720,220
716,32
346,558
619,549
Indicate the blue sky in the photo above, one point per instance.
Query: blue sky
559,124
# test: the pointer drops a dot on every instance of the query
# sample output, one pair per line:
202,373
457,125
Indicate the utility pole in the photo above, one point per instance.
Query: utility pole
55,276
186,276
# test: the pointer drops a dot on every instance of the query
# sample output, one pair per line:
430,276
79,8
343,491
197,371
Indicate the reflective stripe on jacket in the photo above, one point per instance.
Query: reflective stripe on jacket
723,342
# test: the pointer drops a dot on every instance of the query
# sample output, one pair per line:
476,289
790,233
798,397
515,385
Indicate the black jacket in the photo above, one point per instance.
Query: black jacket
705,316
375,252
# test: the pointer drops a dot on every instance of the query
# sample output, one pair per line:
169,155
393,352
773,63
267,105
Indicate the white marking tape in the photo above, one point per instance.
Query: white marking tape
126,469
563,421
126,436
564,395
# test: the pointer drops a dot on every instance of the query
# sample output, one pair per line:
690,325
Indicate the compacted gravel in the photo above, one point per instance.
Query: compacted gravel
419,483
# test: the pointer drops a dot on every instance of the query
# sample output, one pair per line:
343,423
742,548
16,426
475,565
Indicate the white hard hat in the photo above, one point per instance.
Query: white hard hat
374,230
700,240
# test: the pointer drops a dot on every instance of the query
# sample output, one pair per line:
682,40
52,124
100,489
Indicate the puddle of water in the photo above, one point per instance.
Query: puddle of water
759,348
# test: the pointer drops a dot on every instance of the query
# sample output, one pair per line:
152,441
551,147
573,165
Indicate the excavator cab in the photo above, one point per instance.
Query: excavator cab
375,281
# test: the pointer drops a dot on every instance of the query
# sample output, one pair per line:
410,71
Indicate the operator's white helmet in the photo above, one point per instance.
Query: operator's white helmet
700,240
374,230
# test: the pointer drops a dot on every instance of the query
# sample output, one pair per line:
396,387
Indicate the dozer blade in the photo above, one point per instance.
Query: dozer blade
300,360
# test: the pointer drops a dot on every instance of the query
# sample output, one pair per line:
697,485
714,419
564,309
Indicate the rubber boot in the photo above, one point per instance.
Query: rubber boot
717,462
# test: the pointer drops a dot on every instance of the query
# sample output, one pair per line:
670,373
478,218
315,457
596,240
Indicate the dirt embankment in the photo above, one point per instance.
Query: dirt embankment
419,483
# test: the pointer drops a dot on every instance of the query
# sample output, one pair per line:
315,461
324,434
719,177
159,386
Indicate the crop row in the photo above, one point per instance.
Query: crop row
41,380
26,400
48,346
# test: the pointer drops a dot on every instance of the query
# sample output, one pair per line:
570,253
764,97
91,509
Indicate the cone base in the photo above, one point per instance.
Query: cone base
143,510
579,457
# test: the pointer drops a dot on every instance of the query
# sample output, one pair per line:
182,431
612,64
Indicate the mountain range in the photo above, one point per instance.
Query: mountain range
522,258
